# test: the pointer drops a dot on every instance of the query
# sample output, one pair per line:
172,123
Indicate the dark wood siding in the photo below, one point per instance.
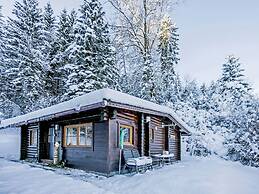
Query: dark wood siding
174,143
32,150
24,142
114,150
158,144
123,117
91,158
103,156
178,144
43,140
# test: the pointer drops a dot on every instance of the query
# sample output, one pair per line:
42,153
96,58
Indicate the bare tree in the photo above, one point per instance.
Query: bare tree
136,28
139,22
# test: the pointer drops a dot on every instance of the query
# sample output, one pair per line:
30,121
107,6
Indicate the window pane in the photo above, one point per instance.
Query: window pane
79,135
71,136
82,140
34,137
89,135
128,134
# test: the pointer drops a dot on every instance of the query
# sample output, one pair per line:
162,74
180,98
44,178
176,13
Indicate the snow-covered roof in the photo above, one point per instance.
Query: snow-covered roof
106,97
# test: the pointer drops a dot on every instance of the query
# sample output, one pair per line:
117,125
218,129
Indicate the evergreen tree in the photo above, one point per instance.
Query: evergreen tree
104,57
2,34
93,61
49,27
232,79
81,79
23,54
147,82
168,50
60,64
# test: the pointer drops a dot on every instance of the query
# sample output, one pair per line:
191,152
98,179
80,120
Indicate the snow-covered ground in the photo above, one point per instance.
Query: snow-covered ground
191,176
10,143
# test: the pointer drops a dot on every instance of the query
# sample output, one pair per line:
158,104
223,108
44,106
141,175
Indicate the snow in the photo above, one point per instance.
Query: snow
10,143
97,96
19,178
139,161
191,176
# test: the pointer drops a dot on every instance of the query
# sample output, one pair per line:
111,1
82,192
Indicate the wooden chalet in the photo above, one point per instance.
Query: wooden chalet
85,130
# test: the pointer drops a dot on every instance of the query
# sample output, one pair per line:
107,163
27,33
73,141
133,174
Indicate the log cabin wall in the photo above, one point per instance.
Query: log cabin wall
33,141
175,143
92,158
178,143
121,117
158,144
24,142
43,141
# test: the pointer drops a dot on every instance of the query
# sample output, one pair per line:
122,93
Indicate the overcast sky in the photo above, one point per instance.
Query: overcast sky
209,31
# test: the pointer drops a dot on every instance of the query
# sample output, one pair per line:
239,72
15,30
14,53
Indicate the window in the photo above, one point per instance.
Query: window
71,136
85,135
33,137
128,134
79,135
151,135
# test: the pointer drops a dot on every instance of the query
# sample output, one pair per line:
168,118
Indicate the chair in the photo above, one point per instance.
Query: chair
133,160
148,160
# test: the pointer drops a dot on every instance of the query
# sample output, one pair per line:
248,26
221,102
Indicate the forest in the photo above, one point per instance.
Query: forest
47,58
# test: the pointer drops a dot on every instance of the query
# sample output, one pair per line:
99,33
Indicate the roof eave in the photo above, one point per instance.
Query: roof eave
56,115
148,111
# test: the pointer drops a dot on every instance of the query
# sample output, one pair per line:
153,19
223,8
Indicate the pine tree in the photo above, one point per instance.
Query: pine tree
23,54
147,82
49,27
2,44
81,79
93,62
168,50
1,37
60,64
104,58
232,79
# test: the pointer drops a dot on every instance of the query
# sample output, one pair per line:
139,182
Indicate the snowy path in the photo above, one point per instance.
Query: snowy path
192,176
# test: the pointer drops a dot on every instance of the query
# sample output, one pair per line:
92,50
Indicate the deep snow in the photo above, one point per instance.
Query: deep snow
10,143
191,176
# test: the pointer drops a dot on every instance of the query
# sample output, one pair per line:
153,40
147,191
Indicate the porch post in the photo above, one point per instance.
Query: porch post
142,134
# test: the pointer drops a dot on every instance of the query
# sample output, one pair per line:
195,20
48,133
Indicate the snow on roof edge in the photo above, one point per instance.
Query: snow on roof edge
97,96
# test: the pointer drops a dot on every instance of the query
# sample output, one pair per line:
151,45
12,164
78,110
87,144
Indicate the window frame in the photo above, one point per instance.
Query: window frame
131,142
77,126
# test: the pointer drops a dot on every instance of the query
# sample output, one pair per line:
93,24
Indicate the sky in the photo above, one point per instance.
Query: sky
209,31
